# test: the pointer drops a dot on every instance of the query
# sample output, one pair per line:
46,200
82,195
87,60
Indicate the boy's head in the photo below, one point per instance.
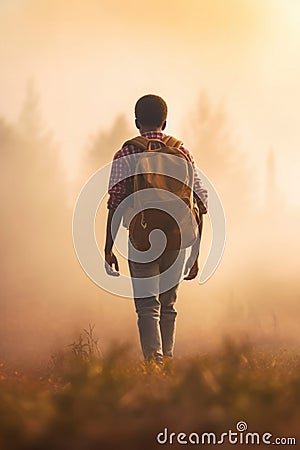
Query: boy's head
151,112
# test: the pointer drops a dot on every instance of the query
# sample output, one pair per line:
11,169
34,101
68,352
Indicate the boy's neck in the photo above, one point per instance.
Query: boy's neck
145,129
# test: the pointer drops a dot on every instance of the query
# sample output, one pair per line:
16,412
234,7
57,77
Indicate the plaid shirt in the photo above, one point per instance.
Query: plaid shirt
119,190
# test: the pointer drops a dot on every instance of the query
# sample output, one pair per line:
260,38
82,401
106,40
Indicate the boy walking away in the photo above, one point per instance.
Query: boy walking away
155,281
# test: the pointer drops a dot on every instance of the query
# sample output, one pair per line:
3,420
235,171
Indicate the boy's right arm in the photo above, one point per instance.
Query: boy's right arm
117,192
110,258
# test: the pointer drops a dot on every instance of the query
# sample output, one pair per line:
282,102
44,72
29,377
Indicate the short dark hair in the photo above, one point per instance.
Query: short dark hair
151,110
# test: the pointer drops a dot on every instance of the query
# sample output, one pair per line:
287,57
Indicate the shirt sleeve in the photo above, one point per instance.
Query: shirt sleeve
200,191
118,181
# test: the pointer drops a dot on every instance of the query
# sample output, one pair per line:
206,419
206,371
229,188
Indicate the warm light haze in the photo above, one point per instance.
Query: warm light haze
229,71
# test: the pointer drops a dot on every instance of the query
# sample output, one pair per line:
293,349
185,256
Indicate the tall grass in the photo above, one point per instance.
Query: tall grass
86,401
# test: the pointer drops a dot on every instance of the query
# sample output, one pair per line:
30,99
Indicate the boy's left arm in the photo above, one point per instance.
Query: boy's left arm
192,265
201,197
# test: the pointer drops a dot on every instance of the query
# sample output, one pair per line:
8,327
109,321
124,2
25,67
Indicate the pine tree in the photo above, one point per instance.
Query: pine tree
274,200
219,156
106,143
30,120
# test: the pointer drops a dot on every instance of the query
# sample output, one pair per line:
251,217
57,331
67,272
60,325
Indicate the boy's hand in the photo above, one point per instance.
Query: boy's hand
110,261
193,271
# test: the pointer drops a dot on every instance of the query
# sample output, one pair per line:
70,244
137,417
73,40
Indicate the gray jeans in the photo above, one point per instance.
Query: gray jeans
155,304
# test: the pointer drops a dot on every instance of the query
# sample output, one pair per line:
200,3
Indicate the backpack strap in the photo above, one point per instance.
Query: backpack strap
138,141
143,142
170,141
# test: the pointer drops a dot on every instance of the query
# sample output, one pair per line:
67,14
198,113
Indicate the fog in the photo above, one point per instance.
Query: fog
70,75
46,298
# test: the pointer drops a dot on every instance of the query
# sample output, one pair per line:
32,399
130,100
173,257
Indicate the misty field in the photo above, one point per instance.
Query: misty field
80,398
84,400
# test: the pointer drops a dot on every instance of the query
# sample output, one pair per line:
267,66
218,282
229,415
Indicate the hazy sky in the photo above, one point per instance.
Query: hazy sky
92,59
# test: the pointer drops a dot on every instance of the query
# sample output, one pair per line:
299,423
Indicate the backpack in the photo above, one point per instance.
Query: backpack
164,180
